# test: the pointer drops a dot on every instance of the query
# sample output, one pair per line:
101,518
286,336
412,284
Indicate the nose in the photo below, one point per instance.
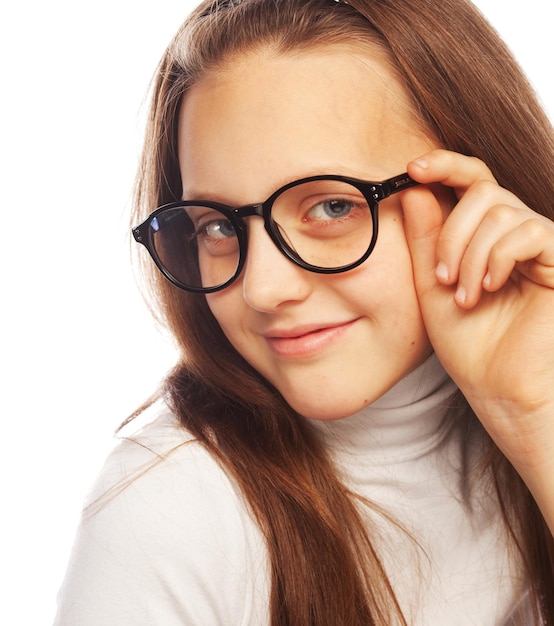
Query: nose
269,279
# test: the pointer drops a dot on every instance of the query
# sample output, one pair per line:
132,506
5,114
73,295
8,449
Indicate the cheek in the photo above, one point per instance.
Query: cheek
384,285
228,308
390,264
221,306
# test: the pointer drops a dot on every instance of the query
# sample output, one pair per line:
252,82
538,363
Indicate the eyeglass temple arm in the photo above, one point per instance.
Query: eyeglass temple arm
394,185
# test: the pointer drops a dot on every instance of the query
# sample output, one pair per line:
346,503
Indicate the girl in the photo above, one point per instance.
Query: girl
357,261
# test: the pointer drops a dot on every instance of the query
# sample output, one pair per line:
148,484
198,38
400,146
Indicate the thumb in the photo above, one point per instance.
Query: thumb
423,221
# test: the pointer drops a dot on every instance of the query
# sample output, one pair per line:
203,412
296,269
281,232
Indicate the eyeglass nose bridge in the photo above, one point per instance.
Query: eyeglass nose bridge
249,210
262,209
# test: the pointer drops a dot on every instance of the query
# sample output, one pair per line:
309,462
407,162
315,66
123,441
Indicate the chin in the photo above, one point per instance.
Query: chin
334,400
330,410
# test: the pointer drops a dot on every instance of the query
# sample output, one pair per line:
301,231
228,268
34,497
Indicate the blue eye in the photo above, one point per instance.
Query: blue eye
219,229
333,208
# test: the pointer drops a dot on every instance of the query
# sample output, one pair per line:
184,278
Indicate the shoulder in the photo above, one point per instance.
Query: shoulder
166,538
160,459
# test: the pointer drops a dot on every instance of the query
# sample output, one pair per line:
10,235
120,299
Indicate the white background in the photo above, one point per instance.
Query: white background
78,348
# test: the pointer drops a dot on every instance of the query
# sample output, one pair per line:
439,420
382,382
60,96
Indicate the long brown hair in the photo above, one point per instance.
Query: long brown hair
470,94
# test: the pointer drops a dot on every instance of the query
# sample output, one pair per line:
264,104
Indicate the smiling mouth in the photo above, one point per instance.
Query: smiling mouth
302,343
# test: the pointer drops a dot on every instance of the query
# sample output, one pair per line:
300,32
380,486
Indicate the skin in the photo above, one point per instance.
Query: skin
461,265
331,344
484,275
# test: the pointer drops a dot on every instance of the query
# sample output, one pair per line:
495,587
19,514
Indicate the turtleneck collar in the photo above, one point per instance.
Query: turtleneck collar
402,425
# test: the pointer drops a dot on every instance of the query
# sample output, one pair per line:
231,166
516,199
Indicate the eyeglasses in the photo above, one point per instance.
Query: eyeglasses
325,224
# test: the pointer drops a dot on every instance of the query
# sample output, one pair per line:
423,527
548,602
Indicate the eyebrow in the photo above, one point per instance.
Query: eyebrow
340,170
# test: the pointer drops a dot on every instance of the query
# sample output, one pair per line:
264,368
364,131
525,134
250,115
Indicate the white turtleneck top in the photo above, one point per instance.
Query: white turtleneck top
167,538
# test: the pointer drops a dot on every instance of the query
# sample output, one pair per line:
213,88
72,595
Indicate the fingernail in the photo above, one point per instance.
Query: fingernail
461,295
442,271
487,280
422,163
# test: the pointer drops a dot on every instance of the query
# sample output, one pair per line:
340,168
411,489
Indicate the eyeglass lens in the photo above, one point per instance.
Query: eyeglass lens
325,224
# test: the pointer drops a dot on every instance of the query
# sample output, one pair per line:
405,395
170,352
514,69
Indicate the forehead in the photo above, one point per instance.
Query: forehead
272,117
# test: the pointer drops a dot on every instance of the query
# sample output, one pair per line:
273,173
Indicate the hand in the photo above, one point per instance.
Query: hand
484,274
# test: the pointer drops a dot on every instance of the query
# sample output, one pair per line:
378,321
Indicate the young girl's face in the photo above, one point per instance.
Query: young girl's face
331,344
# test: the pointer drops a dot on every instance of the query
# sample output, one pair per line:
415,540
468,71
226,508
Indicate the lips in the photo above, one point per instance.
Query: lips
306,340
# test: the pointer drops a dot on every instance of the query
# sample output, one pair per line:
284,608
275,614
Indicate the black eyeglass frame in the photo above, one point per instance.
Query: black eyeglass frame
374,192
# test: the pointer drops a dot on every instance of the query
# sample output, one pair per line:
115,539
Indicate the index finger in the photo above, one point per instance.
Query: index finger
451,169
